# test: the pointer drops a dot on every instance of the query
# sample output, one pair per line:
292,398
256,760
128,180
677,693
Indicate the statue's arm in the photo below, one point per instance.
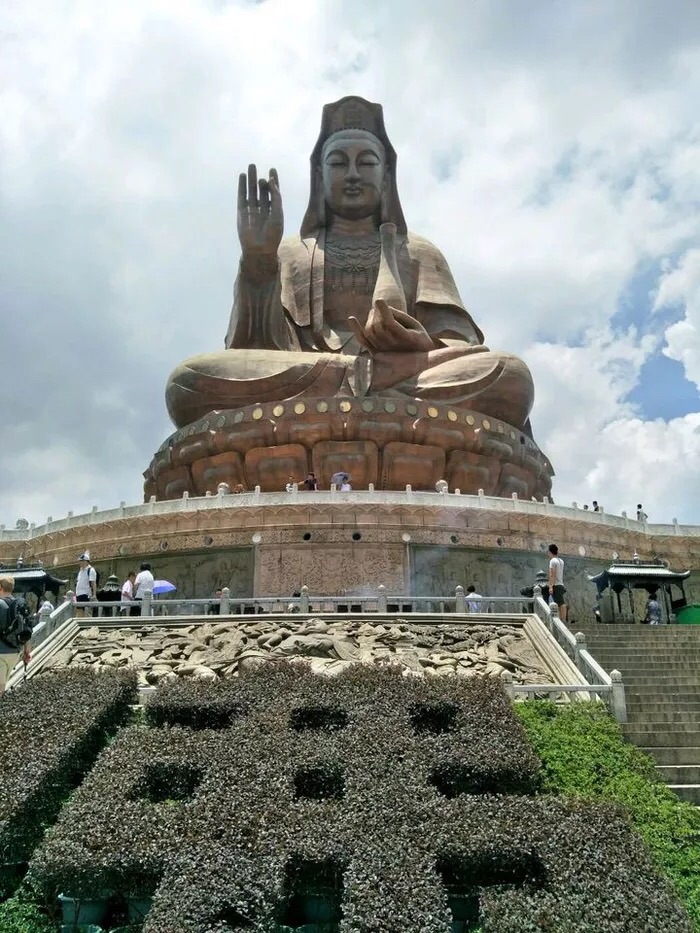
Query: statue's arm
258,320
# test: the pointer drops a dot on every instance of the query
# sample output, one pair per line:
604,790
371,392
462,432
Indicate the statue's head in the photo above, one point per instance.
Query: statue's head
353,173
353,167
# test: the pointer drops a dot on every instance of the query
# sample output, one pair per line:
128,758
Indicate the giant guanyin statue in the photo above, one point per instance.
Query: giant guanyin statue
354,318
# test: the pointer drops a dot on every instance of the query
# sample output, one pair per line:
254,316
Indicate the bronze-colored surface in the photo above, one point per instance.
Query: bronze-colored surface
271,467
355,307
413,444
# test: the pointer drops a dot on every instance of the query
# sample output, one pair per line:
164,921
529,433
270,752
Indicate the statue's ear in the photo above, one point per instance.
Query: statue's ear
320,198
385,212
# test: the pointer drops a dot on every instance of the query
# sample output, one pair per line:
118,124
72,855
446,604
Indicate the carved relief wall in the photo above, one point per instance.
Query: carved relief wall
331,569
196,574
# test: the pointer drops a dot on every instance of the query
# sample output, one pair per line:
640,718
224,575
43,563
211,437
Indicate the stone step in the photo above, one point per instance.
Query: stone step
683,683
682,734
662,702
673,755
641,644
679,774
642,670
646,657
688,792
664,716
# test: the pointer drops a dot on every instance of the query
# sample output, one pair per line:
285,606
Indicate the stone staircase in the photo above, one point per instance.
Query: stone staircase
660,667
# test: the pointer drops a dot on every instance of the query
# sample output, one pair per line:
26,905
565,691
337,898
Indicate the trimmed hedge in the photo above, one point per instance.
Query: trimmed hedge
584,755
369,802
51,730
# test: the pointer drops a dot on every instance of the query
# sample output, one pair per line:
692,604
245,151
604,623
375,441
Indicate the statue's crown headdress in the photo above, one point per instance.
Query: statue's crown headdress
353,113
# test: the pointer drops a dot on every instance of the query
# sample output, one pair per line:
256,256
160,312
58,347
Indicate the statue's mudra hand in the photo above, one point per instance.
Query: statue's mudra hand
390,329
260,219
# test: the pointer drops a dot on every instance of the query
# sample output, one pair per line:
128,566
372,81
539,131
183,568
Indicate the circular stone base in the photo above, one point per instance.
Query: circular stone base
388,442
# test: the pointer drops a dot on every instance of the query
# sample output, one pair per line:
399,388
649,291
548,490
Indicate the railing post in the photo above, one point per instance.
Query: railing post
147,603
225,609
460,601
579,647
619,705
381,598
536,591
304,599
507,681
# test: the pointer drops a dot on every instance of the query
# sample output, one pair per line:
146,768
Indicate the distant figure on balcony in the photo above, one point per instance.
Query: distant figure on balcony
473,599
127,594
143,582
641,514
345,484
310,483
215,606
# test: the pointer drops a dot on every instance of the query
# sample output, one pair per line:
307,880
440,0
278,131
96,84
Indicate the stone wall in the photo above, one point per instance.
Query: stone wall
424,545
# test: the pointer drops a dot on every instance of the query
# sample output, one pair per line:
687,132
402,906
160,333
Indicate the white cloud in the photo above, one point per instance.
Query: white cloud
567,132
680,287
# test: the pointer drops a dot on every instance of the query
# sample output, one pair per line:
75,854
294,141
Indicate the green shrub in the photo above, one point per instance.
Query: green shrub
584,754
371,843
19,916
51,730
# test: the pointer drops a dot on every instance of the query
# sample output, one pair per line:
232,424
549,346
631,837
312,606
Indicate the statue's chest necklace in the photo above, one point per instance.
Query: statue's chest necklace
351,264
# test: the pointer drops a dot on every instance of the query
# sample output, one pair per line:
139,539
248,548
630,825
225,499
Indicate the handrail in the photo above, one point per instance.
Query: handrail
381,601
256,498
575,646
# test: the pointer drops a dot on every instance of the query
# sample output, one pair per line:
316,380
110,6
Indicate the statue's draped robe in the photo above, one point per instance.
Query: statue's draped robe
289,314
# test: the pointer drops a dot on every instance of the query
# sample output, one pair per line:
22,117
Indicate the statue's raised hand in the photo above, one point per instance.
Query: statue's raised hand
260,221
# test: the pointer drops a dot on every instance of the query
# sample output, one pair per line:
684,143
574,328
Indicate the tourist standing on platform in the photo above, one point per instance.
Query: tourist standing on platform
641,514
14,628
345,484
127,596
556,580
310,483
337,479
596,507
86,583
214,608
143,582
473,599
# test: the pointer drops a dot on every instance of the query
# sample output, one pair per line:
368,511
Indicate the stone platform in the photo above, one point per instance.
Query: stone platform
387,442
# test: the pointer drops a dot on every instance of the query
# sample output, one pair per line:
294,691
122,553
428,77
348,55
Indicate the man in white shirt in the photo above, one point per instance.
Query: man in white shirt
556,580
143,582
473,599
86,583
127,597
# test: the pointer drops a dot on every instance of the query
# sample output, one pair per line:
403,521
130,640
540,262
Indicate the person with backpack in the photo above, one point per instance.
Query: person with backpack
15,630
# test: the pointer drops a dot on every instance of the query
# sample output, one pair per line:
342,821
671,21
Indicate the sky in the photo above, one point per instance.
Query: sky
550,150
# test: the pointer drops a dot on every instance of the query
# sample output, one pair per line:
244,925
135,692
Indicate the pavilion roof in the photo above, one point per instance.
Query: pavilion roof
637,573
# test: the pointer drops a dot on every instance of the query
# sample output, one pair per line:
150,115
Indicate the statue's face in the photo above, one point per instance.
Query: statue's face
353,168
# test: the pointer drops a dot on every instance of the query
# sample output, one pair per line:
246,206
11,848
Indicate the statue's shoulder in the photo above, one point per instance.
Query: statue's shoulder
421,248
294,248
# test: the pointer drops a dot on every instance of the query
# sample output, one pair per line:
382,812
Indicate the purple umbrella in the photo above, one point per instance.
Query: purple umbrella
163,586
